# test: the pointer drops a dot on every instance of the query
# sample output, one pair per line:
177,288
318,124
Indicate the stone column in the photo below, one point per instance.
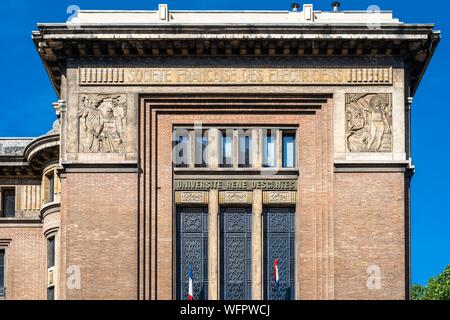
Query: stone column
257,246
279,149
235,149
213,245
213,148
192,149
256,148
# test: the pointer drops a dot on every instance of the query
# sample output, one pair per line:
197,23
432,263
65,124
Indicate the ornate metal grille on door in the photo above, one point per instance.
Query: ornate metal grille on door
236,253
279,239
192,249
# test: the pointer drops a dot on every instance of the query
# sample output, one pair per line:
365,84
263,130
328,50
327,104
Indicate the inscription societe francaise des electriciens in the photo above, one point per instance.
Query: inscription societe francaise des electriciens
236,76
202,185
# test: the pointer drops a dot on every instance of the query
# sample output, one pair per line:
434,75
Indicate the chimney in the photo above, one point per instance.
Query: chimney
336,5
295,7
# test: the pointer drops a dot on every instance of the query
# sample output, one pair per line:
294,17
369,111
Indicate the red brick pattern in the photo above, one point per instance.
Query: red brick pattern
98,234
369,230
25,263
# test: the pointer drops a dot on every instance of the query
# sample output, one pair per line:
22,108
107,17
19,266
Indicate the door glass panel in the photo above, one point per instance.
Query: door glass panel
236,253
192,251
279,239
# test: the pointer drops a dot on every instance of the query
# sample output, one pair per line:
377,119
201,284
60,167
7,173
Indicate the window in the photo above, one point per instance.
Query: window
50,266
2,273
51,293
288,150
51,187
245,143
201,144
51,252
8,203
227,148
269,149
181,150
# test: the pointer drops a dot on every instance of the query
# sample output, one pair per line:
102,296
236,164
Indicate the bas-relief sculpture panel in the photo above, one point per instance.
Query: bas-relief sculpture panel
369,122
102,123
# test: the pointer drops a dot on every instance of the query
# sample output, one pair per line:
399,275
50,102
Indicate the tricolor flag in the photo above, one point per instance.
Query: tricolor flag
191,285
276,274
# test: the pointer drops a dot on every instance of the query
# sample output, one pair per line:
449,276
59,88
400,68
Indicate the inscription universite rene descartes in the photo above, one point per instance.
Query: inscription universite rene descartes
235,184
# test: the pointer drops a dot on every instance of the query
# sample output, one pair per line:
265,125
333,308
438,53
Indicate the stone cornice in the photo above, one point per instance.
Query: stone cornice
412,43
41,143
34,157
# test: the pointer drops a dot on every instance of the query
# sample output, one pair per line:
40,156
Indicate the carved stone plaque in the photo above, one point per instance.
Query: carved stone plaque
279,197
369,122
102,123
235,185
235,197
235,76
187,197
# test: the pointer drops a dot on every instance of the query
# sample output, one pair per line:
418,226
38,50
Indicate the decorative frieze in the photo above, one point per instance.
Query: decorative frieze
279,197
102,123
235,197
369,122
191,197
235,76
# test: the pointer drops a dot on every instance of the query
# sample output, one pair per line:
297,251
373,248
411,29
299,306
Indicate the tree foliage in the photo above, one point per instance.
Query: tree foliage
437,288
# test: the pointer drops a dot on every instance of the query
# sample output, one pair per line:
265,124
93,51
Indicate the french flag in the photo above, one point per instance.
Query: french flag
191,285
276,274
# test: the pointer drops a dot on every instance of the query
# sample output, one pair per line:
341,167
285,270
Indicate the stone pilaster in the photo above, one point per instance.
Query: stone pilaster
256,148
213,148
235,149
279,149
257,246
192,149
213,245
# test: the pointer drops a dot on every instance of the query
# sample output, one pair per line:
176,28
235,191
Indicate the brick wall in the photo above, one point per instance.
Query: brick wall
369,230
25,274
98,219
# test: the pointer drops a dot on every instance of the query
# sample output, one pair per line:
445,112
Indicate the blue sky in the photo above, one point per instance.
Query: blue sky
26,97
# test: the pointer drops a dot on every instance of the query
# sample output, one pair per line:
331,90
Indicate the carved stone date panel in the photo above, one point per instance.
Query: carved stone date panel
102,123
369,122
279,197
235,197
186,197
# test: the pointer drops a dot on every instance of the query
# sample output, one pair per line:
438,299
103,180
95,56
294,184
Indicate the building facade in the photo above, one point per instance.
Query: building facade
221,147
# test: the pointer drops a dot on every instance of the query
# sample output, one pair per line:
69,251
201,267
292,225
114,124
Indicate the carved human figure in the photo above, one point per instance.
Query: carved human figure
368,122
109,137
379,124
92,116
357,127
